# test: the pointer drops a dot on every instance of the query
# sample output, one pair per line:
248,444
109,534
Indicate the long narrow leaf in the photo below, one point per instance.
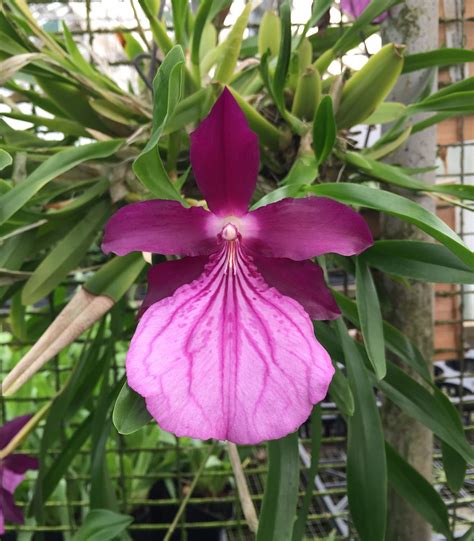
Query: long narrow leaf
417,491
366,463
281,490
399,206
370,317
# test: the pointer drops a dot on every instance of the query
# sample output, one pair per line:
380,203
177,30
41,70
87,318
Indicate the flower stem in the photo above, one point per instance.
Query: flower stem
17,440
185,501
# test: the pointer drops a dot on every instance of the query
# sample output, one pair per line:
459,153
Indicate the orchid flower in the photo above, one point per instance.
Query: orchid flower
12,472
355,8
225,347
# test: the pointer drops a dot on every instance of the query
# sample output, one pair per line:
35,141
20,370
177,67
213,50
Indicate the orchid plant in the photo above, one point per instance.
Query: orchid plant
238,156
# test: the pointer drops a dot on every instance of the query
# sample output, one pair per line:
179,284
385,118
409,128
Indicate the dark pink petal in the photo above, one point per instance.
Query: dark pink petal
11,512
20,462
2,519
165,278
10,479
11,428
302,281
357,7
228,357
163,227
225,158
303,228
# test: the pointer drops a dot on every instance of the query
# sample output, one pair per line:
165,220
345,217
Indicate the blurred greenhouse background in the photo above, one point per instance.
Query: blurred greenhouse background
150,472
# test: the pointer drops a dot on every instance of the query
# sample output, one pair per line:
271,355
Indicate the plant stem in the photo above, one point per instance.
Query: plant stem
185,501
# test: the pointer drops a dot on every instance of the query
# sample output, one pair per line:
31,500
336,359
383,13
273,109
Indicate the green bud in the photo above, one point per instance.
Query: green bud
269,34
307,95
305,55
367,88
300,60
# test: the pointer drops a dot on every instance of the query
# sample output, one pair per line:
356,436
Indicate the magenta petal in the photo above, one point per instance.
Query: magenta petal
303,228
165,278
11,428
20,463
225,158
11,512
302,281
163,227
10,479
357,7
228,357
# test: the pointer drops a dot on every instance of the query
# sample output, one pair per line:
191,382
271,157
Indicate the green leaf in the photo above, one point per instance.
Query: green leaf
17,318
180,10
426,407
417,491
284,53
303,171
102,525
387,111
116,276
66,255
281,490
340,392
230,48
418,260
130,413
102,491
370,317
455,465
324,130
158,29
202,16
378,151
290,190
64,125
72,101
455,102
395,341
5,159
437,58
316,436
366,463
58,164
399,206
167,90
53,475
394,175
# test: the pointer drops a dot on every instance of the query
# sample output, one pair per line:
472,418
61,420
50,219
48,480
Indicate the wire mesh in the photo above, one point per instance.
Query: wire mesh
153,495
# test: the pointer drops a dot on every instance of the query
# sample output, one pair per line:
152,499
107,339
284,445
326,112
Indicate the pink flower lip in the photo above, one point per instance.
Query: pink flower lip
225,346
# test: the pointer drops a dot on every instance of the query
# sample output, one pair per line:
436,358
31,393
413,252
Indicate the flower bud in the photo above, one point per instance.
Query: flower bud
269,34
307,95
367,88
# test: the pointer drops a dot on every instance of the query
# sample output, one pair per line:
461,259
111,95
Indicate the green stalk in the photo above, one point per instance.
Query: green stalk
322,63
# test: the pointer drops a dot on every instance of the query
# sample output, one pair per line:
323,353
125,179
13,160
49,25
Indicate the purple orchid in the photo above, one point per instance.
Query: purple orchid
12,472
355,8
225,347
